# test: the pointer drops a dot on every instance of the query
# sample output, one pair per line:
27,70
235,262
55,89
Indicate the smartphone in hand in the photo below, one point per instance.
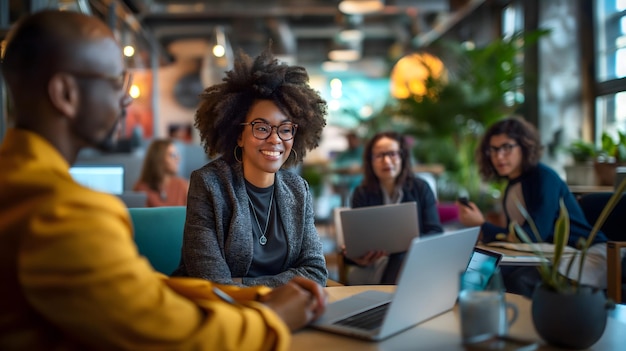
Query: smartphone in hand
464,201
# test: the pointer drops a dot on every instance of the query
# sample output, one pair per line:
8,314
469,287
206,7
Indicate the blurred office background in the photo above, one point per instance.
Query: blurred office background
438,70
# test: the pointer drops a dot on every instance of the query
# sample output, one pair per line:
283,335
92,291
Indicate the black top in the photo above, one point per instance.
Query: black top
269,258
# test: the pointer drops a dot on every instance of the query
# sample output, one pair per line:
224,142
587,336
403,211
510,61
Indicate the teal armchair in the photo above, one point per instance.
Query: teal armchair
159,235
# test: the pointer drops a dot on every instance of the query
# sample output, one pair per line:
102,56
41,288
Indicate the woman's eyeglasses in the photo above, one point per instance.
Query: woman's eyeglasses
505,148
393,155
263,130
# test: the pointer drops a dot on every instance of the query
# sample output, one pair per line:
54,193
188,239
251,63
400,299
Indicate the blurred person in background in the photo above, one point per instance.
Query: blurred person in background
159,176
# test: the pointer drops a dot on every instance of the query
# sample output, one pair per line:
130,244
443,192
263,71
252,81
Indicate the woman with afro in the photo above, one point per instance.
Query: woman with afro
249,220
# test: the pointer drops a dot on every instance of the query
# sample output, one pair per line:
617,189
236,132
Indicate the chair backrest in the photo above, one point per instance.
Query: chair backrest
134,198
338,227
592,205
159,235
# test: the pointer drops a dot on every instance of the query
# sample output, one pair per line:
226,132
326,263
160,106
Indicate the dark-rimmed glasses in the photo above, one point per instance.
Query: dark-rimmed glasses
393,155
505,148
122,81
263,130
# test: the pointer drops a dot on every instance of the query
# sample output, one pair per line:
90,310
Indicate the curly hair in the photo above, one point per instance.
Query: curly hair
153,170
224,106
524,134
370,180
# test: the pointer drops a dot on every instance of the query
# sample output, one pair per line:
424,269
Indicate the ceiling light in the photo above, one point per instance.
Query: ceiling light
81,6
134,91
345,54
359,7
219,51
351,35
129,50
411,73
332,66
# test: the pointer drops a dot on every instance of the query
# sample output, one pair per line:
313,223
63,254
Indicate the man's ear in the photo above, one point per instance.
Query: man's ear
64,94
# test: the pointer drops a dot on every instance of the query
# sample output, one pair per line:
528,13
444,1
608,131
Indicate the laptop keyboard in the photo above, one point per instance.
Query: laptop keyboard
367,320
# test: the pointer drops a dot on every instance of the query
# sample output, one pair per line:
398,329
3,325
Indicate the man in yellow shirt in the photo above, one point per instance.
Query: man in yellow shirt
71,275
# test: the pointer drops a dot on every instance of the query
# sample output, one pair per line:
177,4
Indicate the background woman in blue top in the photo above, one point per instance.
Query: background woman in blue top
389,179
511,149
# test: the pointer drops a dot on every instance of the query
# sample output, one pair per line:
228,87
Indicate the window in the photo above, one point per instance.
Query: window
610,70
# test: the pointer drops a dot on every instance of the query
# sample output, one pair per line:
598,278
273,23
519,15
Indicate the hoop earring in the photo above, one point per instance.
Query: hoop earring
295,154
235,153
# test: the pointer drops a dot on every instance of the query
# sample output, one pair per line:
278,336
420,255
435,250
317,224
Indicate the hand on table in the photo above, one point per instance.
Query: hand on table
298,302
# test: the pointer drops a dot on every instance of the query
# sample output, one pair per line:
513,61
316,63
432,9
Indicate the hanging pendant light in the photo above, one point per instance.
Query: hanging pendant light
361,7
81,6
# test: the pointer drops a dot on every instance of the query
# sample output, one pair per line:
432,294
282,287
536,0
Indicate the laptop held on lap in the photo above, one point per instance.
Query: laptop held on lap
427,287
386,227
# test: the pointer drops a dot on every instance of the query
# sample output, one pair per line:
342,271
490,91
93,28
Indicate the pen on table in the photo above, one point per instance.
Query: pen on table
224,296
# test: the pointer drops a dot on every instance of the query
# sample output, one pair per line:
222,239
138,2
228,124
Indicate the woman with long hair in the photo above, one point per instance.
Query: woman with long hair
389,179
159,176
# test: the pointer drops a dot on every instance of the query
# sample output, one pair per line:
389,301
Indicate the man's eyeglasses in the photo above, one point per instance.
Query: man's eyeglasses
505,148
263,130
122,81
393,155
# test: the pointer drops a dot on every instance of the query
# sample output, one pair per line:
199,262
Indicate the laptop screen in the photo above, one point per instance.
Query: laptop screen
106,178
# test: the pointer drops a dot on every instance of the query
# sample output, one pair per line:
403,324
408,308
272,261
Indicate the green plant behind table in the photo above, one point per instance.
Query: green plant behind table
582,151
611,148
549,269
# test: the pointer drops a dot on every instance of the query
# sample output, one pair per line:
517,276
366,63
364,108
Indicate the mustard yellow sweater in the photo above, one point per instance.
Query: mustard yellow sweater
72,278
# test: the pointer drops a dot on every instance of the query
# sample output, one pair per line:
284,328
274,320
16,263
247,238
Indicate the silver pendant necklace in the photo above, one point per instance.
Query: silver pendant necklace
262,238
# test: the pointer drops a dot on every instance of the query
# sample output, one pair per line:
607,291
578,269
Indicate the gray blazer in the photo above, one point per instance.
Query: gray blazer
217,243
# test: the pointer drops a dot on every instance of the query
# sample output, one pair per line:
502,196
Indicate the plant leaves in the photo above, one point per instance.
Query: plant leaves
561,237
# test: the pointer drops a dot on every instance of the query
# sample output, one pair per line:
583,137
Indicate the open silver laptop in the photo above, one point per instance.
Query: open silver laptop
386,227
428,286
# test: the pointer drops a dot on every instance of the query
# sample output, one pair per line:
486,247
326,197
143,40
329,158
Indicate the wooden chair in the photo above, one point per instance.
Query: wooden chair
615,229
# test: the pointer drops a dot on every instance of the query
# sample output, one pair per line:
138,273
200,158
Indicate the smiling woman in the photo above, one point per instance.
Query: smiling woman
249,221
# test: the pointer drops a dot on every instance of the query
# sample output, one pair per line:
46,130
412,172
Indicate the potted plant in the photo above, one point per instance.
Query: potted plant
566,313
612,154
582,171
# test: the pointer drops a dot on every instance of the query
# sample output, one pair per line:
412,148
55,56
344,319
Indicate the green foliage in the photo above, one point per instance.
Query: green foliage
549,269
314,175
483,85
611,148
582,151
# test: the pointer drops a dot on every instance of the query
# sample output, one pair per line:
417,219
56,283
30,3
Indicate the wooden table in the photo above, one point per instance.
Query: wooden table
579,190
443,331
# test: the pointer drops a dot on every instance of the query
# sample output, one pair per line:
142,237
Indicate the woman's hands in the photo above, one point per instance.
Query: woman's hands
469,214
368,259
